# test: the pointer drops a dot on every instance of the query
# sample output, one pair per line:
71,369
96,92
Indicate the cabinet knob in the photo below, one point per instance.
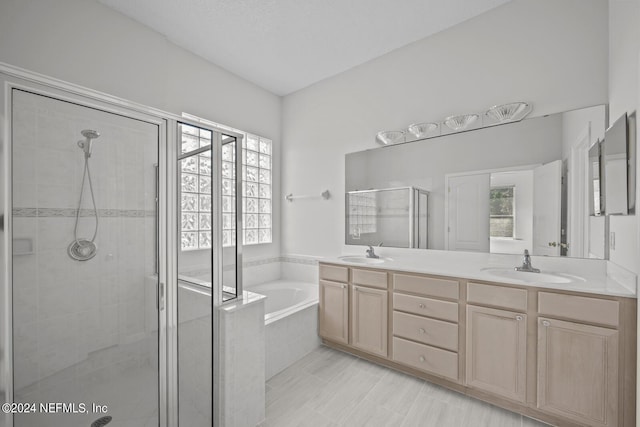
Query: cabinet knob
422,331
519,318
421,305
546,323
343,286
422,359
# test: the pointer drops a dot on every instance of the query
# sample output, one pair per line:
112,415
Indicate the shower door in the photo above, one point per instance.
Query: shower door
209,258
84,264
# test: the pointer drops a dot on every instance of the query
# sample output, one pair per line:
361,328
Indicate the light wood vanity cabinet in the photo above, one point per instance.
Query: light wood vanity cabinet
334,311
566,358
333,305
353,308
425,324
369,319
496,340
574,354
578,371
369,311
497,351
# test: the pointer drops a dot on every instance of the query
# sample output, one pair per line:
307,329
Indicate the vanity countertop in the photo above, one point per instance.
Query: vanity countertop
599,277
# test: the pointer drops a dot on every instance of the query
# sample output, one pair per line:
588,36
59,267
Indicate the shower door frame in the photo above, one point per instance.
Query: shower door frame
216,224
166,243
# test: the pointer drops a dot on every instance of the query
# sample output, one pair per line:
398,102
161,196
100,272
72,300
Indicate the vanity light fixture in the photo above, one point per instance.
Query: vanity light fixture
513,111
390,137
420,130
458,123
497,115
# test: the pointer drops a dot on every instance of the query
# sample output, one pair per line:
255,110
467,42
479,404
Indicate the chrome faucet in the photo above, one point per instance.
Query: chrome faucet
371,253
526,264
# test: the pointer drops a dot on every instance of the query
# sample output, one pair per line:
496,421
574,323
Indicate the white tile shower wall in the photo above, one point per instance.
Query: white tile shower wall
70,317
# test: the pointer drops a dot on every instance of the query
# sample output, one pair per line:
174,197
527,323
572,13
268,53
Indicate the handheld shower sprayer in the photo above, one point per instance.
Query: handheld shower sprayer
82,249
86,143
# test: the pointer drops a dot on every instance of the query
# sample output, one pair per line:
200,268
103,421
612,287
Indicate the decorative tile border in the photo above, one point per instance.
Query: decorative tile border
71,213
262,261
299,260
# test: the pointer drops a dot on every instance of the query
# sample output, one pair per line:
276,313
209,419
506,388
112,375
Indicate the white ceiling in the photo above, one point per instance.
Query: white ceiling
286,45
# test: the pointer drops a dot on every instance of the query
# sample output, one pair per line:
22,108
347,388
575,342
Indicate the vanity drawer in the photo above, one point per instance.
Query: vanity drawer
497,296
426,358
428,286
372,278
594,310
438,309
427,331
334,273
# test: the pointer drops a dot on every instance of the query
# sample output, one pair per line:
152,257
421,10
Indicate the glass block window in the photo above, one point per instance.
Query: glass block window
362,213
228,184
256,189
195,189
257,163
502,222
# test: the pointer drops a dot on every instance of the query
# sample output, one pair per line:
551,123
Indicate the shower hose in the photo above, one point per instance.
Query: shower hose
86,175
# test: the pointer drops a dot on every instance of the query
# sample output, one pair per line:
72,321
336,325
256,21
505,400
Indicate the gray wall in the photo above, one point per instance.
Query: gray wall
86,43
550,52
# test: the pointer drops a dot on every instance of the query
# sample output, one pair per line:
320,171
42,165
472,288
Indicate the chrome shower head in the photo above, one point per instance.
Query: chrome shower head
85,144
90,134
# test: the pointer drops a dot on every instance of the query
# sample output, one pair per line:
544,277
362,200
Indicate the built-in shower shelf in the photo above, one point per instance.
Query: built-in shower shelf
23,246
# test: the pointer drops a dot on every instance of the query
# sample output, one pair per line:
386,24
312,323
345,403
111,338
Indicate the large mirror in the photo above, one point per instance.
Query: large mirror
501,189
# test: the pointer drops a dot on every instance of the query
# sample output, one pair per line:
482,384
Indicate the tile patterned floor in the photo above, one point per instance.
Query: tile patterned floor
331,388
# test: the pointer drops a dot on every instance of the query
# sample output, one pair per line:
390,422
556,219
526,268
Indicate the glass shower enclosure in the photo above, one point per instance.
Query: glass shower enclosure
113,259
207,160
84,250
393,217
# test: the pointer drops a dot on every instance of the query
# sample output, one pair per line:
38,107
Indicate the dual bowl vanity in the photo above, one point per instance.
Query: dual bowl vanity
448,306
559,347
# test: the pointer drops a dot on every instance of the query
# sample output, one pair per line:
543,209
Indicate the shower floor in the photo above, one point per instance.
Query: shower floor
131,397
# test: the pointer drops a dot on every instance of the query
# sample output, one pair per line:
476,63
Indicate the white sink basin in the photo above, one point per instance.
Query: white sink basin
363,260
524,276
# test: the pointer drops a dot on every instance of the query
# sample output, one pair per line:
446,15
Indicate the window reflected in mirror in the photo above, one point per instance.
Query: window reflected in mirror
502,212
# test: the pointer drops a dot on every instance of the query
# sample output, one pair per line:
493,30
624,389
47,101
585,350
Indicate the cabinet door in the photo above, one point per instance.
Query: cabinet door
496,358
578,372
369,320
334,311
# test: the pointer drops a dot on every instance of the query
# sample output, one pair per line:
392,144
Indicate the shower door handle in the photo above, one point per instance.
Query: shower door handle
161,296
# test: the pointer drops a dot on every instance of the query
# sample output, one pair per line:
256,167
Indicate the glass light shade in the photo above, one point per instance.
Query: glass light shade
460,122
508,112
390,137
422,129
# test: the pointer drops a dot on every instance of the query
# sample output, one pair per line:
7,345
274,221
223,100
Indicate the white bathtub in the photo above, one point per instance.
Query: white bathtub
285,297
291,322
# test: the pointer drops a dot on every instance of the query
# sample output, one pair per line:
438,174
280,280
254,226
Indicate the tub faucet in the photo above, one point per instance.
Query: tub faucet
371,253
526,264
